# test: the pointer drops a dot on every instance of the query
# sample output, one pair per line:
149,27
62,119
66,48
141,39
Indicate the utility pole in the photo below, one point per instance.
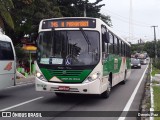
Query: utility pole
155,40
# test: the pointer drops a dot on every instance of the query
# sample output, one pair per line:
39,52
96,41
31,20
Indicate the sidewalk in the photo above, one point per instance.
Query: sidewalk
28,80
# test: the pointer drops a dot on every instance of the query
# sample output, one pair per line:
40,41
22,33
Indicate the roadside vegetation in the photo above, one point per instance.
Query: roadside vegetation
156,88
155,71
156,92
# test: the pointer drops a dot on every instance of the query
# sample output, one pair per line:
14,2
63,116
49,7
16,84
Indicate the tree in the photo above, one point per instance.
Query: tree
75,8
106,19
137,48
5,16
27,15
149,47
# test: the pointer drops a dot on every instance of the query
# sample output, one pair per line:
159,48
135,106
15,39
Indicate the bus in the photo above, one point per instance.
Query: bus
80,55
7,62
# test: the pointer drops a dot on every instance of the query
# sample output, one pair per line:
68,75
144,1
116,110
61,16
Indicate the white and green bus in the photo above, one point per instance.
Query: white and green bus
81,56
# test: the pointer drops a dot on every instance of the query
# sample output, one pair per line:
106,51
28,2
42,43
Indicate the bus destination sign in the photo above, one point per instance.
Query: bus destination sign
69,23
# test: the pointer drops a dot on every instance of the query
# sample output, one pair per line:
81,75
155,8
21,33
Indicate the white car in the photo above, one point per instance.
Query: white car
143,61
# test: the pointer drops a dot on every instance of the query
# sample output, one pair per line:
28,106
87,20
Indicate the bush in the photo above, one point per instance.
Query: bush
156,63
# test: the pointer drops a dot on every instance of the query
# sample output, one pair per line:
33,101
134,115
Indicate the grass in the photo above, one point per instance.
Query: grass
156,93
155,82
155,71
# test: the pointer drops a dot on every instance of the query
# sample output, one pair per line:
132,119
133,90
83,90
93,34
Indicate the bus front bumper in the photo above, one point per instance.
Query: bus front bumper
80,88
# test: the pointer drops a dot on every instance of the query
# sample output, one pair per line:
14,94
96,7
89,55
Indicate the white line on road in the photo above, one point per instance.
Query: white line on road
20,104
128,105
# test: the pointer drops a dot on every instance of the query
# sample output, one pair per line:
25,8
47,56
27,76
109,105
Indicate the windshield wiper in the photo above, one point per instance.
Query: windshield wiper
85,37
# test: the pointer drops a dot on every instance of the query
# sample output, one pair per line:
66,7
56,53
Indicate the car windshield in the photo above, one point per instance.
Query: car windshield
68,48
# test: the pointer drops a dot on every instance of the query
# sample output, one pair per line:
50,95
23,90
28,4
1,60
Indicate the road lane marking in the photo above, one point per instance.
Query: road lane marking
20,104
128,105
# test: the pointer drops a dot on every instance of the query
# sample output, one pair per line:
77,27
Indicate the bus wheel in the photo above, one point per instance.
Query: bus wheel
124,81
106,93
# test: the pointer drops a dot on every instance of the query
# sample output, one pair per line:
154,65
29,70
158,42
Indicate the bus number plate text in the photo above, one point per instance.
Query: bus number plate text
64,88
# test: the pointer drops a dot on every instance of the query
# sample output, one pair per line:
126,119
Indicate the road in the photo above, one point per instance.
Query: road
25,98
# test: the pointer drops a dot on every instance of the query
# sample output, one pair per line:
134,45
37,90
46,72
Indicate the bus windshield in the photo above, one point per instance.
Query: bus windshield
70,48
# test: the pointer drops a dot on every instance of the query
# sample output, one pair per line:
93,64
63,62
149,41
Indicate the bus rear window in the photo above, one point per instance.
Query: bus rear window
6,51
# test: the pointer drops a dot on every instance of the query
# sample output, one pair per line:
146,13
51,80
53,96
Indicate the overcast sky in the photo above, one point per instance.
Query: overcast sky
145,13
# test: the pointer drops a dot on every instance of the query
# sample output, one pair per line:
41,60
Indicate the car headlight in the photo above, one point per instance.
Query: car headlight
40,76
92,77
139,64
131,64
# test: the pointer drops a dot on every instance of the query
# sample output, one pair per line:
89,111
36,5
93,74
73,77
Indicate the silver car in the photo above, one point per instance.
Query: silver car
135,63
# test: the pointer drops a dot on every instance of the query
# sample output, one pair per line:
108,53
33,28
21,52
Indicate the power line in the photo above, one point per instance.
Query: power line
136,36
140,22
125,19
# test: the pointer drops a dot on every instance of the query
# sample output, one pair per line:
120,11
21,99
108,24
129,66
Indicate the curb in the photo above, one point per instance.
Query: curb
28,80
152,96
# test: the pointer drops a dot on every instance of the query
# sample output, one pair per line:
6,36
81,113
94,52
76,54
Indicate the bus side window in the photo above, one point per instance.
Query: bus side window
111,46
118,47
122,49
115,45
127,51
103,39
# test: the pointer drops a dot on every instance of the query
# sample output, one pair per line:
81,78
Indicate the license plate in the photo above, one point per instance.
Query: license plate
64,88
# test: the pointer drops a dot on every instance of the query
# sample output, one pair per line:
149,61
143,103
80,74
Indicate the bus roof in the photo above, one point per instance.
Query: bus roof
97,19
5,38
70,18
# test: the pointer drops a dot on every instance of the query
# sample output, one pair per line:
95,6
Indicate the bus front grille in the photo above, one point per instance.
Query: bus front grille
65,72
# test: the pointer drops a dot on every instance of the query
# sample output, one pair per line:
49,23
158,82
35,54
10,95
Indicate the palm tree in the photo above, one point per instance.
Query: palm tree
5,16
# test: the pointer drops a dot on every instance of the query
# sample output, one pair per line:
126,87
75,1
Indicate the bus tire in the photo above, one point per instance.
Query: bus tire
124,81
106,93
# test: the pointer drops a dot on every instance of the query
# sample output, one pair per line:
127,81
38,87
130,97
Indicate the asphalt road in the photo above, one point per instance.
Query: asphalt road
25,98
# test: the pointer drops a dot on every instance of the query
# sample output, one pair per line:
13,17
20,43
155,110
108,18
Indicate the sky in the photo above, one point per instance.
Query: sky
136,18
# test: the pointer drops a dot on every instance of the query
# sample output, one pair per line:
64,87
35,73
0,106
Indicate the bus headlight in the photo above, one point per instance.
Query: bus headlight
92,77
40,76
